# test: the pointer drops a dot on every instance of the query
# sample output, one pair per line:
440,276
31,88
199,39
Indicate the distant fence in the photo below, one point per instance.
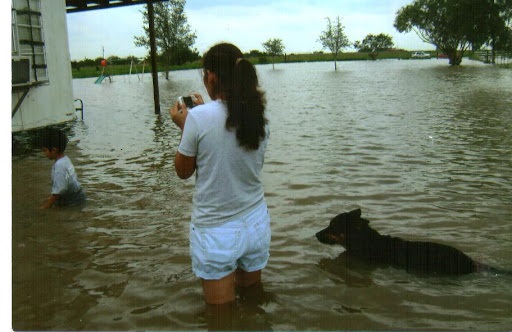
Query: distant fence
500,57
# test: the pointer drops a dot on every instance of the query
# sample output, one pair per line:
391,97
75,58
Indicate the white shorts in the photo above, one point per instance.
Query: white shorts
242,243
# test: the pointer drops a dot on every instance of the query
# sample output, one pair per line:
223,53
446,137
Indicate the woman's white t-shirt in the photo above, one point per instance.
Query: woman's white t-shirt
228,180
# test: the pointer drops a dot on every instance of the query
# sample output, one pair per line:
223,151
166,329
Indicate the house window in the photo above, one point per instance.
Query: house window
28,47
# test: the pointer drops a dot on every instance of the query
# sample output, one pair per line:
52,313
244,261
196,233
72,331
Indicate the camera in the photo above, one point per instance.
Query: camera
187,101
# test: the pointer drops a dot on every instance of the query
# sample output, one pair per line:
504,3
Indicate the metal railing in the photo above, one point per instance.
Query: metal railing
496,57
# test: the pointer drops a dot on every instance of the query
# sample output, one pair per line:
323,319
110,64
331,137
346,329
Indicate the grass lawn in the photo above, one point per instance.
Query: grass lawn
314,57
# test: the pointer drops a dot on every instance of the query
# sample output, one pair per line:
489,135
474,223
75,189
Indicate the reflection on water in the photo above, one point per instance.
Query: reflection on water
422,148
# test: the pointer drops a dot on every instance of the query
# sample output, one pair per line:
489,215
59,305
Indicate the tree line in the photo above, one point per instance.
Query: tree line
335,39
452,26
455,26
174,37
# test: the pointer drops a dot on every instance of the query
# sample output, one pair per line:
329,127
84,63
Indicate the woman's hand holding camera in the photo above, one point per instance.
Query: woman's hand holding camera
179,114
179,111
198,99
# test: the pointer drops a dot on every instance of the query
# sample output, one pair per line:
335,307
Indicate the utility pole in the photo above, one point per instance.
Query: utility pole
152,43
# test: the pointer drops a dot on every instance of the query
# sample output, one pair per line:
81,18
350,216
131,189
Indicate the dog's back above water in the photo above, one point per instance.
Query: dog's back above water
361,241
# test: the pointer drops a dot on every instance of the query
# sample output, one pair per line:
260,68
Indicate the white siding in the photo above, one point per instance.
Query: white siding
52,102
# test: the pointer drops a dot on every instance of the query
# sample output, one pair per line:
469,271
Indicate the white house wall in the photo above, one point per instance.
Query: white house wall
50,103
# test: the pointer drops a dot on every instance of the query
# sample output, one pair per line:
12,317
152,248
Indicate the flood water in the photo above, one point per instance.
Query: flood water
422,148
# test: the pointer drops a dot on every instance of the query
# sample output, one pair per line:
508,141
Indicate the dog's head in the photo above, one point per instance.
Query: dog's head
344,229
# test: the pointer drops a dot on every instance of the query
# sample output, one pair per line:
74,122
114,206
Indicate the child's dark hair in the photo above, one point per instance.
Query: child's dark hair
238,82
53,138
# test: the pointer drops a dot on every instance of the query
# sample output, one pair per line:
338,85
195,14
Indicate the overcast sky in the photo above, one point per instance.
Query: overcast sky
245,23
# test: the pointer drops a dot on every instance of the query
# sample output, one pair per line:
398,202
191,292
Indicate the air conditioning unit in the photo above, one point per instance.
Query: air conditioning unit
21,71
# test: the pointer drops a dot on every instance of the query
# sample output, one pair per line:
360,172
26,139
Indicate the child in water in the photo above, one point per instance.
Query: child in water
66,190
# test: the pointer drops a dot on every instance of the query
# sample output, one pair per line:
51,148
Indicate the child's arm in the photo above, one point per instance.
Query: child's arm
50,201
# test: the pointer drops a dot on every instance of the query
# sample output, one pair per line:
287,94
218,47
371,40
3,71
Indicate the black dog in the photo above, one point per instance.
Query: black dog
361,241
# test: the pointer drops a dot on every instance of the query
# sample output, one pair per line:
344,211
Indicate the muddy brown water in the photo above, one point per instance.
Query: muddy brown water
422,148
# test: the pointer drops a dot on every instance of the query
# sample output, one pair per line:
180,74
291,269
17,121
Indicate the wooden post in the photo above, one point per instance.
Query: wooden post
156,92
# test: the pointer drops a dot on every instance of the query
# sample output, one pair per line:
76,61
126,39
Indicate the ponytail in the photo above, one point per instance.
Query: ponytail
238,82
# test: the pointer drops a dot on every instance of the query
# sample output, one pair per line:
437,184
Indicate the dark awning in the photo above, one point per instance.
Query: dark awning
73,6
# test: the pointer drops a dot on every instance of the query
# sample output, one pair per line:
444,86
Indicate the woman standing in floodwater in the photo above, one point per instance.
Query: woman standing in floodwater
224,142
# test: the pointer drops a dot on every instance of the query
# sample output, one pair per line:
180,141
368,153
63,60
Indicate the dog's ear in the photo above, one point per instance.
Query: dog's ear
355,213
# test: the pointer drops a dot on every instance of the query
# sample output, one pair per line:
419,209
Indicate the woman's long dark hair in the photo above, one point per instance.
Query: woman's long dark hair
238,83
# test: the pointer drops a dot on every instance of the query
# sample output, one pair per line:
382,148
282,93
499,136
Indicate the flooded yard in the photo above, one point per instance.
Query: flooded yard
422,148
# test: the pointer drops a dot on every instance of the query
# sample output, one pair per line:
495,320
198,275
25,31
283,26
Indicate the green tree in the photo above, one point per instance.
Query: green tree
334,38
453,26
499,30
374,44
174,38
273,47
